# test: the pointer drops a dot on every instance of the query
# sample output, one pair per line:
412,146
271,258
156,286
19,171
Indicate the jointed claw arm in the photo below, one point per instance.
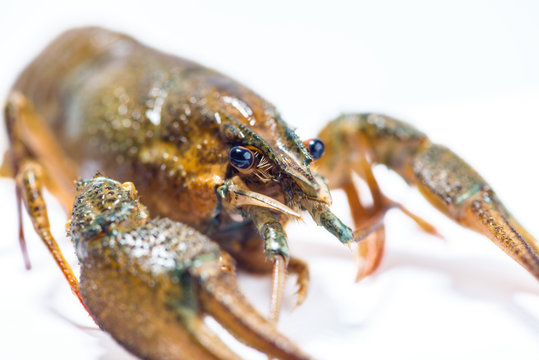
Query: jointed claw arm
446,180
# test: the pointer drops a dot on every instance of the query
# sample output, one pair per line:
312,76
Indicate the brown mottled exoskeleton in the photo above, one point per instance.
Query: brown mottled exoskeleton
207,151
150,282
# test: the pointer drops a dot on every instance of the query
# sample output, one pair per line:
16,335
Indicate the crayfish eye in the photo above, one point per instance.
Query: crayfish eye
316,148
241,157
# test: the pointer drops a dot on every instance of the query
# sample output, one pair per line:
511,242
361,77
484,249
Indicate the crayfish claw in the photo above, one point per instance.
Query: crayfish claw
456,189
221,298
151,282
208,339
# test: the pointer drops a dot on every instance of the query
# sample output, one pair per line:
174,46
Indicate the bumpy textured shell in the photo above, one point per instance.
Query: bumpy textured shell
137,114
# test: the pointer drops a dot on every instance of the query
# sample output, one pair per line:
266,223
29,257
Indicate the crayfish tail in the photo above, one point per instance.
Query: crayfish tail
221,298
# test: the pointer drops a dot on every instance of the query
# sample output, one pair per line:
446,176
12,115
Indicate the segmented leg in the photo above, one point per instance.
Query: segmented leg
448,182
30,136
301,269
276,250
369,221
251,257
29,181
24,124
5,167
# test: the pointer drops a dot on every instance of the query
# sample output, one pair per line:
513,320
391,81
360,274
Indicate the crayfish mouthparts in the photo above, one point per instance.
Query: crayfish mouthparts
151,282
236,195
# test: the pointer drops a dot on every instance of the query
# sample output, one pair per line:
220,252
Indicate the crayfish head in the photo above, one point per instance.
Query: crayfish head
271,170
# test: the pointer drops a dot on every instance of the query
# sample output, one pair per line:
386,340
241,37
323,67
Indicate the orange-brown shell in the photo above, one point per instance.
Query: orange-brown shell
140,115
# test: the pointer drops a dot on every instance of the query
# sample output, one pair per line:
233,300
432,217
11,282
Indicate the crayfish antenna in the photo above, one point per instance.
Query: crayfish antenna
22,240
221,298
277,287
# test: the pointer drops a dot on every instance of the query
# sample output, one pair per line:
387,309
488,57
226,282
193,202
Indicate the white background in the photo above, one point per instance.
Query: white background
465,72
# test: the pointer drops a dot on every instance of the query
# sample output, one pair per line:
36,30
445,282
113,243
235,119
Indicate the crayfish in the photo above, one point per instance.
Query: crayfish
214,158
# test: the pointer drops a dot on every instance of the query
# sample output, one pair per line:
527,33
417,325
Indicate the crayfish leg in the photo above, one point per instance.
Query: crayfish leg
368,221
300,268
31,137
249,255
6,166
370,252
276,250
29,141
30,182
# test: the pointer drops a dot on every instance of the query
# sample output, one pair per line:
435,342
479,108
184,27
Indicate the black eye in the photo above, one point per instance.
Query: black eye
316,148
241,158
